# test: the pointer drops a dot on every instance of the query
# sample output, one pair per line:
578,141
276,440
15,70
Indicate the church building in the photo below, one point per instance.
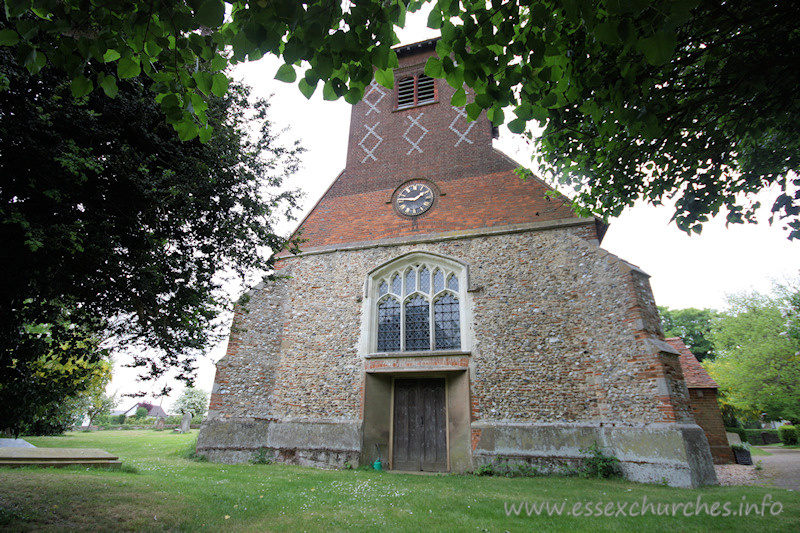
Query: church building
444,314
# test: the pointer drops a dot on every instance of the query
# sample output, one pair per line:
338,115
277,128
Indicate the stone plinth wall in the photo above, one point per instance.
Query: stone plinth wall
675,454
309,443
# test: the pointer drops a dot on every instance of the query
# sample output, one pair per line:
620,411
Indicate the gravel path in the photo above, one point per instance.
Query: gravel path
781,469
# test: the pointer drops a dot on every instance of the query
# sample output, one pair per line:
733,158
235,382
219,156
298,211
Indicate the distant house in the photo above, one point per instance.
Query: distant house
703,398
152,410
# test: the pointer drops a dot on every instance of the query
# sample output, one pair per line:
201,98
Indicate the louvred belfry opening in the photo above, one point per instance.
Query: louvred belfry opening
415,90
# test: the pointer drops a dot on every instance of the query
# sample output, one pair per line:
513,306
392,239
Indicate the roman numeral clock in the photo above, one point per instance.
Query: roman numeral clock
414,199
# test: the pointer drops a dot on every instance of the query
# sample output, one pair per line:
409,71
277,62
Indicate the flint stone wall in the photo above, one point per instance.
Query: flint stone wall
559,332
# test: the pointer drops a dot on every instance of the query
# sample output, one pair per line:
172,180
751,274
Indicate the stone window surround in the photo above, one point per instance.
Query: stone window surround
369,332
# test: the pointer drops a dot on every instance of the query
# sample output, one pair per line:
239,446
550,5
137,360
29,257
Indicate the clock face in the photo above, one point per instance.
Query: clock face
414,199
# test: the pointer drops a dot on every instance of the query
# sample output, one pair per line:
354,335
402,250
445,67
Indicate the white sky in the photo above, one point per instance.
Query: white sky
687,271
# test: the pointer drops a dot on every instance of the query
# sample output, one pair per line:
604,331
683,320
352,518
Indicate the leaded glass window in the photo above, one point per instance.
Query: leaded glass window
438,281
389,325
452,283
418,305
424,280
411,281
447,323
396,284
418,325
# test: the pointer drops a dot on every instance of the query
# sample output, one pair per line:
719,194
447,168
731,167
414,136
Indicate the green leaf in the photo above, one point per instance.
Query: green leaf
459,98
152,49
516,126
606,32
483,100
203,81
187,129
354,95
393,61
109,86
312,77
110,55
524,111
549,100
219,84
42,13
171,106
81,86
15,8
128,67
306,88
205,134
218,63
455,78
35,61
8,38
199,104
435,19
659,48
443,49
473,111
286,73
328,92
496,115
433,67
210,13
448,31
385,77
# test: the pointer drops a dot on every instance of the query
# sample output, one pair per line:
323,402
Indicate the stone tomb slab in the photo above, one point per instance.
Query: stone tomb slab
58,457
15,443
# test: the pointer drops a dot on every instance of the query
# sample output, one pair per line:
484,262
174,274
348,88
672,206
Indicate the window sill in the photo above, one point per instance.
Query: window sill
407,107
428,353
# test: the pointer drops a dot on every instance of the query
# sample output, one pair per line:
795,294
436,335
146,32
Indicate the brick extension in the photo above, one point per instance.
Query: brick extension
703,398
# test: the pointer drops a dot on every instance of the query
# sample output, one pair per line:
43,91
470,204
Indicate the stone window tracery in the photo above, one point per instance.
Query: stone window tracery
418,307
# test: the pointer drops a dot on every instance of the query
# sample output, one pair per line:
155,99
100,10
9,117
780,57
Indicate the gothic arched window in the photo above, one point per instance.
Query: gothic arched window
417,305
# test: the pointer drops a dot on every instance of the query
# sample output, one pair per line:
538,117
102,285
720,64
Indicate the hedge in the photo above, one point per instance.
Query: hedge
757,436
789,434
762,436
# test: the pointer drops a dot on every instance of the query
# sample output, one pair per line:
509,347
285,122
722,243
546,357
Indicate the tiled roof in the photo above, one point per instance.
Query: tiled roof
152,410
693,372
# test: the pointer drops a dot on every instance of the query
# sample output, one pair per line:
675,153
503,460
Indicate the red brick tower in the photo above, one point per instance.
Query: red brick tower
412,136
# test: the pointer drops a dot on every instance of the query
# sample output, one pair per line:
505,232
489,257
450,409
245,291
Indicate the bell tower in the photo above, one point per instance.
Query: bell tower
417,166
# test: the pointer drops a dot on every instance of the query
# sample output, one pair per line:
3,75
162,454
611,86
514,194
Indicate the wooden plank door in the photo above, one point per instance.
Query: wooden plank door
420,425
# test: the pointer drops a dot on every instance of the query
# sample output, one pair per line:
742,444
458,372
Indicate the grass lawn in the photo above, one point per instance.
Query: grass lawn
756,451
782,445
159,489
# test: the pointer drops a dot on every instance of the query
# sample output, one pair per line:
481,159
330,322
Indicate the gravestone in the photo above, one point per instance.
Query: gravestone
733,438
159,424
186,422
